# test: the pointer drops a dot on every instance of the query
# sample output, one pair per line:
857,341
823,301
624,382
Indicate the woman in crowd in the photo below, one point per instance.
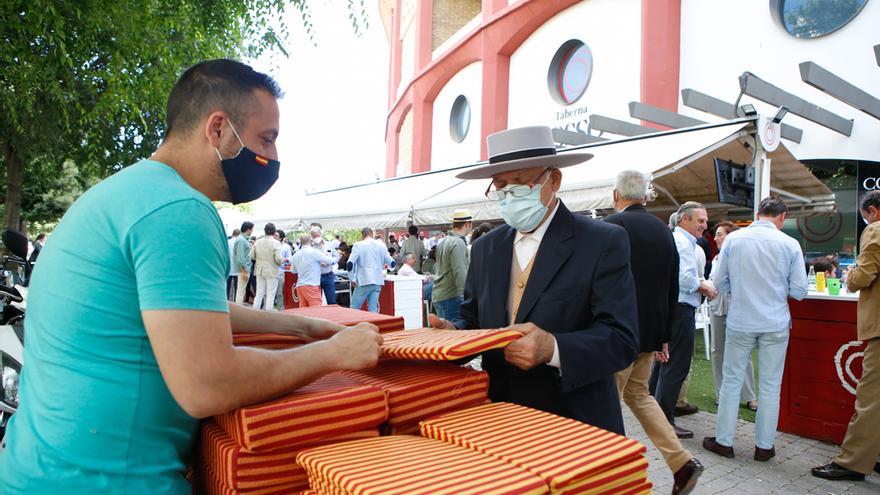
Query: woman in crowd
718,308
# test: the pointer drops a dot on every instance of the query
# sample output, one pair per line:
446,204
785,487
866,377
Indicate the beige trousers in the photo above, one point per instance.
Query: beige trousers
861,446
242,287
632,383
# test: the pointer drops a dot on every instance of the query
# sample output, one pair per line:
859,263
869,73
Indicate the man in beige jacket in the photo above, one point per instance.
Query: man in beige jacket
267,254
861,446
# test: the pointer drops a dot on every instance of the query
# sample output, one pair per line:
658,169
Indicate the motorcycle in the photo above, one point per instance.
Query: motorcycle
12,309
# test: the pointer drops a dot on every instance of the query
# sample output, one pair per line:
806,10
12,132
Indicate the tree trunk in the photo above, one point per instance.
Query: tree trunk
13,187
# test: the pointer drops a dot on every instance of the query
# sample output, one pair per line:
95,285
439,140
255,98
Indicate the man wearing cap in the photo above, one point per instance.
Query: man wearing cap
451,267
561,279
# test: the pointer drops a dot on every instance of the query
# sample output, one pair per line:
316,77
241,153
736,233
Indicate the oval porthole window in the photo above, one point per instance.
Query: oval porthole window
570,72
814,18
460,119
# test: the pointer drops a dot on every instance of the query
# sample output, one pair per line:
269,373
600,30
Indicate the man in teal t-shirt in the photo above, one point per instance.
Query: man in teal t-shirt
129,334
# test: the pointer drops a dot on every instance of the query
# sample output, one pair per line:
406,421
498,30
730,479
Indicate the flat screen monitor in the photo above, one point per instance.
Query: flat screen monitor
736,183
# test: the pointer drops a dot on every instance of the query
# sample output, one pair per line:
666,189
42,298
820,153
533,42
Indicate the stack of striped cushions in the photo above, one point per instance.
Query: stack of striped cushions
254,448
413,466
444,345
421,389
571,457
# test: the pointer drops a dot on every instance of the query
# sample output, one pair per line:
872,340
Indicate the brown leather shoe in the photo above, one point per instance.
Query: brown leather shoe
711,445
682,433
686,478
764,455
685,410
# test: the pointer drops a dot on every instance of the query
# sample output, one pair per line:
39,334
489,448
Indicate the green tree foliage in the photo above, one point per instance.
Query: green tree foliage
85,82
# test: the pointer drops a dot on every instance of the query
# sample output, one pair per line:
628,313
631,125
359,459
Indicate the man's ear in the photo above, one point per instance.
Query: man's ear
213,128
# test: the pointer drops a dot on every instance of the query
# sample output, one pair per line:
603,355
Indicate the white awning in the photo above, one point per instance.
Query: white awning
680,160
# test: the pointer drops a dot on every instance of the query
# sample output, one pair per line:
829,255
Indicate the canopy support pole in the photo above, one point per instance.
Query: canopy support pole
761,164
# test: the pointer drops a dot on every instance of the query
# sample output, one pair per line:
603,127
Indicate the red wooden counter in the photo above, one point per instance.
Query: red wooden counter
822,367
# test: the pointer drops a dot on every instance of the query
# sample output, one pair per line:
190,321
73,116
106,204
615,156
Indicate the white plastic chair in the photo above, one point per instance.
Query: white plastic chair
702,321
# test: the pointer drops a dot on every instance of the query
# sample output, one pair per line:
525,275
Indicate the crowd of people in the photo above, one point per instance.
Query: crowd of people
120,370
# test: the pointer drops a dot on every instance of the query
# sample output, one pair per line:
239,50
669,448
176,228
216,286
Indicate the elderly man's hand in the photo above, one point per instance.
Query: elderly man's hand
437,322
533,348
707,288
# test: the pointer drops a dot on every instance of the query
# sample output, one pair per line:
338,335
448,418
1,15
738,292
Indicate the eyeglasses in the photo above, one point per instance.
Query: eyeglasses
516,190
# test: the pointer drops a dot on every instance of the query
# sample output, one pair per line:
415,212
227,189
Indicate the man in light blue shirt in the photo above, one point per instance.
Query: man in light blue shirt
366,266
761,267
691,221
307,263
328,278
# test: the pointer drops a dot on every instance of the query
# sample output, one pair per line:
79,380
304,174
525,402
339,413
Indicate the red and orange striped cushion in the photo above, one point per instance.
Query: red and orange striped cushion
421,389
350,317
240,469
330,406
566,453
412,466
444,345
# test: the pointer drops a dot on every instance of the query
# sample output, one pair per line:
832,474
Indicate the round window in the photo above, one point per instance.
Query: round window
460,119
570,72
814,18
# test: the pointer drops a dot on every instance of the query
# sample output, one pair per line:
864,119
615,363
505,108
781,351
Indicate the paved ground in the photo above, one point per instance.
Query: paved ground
787,473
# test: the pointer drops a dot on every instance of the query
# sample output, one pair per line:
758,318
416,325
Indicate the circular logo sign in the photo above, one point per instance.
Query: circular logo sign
843,362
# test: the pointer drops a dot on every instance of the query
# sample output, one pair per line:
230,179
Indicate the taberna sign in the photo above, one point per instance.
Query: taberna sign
869,180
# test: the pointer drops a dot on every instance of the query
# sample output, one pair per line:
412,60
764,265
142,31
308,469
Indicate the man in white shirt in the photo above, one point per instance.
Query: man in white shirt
307,264
407,270
232,280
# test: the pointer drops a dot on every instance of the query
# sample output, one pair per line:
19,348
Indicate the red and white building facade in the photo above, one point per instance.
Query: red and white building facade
498,55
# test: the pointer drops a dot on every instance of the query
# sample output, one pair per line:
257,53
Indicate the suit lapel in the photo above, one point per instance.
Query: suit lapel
499,261
548,260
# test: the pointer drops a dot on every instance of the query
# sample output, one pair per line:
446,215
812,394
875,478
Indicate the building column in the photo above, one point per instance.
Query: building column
395,57
423,123
661,54
495,92
491,7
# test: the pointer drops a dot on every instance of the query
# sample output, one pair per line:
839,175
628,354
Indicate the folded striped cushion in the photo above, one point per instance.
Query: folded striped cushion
444,345
330,406
350,317
266,340
210,484
420,389
412,466
242,469
561,451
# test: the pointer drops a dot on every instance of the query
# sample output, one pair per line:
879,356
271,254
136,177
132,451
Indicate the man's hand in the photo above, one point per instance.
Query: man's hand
437,322
707,288
318,329
533,348
356,347
662,356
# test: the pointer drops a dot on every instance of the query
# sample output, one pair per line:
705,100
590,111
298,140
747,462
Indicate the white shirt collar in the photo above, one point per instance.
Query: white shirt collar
538,234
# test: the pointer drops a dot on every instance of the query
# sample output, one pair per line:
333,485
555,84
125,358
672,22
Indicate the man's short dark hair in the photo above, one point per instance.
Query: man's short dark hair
413,230
247,226
366,232
772,206
870,199
280,233
213,85
236,232
269,229
456,225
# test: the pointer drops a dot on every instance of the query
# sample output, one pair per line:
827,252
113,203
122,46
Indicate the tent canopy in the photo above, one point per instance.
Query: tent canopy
680,160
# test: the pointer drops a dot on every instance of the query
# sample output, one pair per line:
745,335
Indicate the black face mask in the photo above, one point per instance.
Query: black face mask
248,174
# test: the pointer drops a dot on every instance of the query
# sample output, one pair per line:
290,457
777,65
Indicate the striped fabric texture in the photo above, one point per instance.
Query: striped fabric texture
572,457
413,466
350,317
331,406
444,345
417,390
237,468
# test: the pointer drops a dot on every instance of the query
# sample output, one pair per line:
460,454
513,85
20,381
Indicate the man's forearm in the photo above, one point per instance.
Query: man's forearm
245,319
257,375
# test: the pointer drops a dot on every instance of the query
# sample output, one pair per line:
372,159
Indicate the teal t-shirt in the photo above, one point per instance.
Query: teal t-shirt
95,414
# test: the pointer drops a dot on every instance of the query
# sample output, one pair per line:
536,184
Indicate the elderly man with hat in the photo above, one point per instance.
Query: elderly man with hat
561,279
451,267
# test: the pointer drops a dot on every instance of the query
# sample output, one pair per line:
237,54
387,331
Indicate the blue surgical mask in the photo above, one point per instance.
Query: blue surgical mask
248,174
524,214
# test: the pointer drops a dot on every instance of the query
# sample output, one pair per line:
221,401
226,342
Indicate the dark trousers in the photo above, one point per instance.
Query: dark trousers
231,287
328,285
672,374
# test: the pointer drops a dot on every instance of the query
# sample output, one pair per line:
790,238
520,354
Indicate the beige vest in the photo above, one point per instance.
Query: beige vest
518,281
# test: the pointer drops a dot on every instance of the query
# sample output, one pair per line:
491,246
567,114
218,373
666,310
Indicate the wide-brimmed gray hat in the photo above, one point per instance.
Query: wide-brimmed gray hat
523,147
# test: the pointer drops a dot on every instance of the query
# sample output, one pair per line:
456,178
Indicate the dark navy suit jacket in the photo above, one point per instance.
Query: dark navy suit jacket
581,290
